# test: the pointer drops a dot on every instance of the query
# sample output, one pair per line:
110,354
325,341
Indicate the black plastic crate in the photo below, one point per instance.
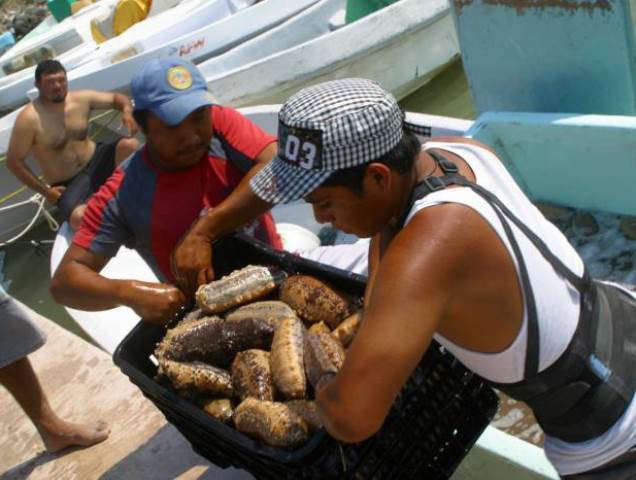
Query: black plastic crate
435,420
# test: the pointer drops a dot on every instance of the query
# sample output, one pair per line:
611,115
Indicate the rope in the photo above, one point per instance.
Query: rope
39,200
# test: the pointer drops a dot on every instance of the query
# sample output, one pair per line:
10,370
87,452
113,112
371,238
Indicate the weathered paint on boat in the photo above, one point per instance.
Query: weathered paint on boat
586,162
549,56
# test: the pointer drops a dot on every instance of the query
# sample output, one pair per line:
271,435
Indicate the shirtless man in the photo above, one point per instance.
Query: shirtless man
54,129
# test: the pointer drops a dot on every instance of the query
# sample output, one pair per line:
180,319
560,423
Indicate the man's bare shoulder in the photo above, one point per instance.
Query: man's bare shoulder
452,139
27,118
443,233
88,96
79,96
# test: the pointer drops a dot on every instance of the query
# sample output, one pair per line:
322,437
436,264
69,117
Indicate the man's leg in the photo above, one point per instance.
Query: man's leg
105,160
125,148
75,218
21,381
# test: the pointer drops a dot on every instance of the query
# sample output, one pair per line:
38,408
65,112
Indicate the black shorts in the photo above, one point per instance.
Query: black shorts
85,183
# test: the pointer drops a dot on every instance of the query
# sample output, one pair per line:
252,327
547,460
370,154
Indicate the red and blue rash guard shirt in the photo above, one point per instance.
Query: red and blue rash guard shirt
149,209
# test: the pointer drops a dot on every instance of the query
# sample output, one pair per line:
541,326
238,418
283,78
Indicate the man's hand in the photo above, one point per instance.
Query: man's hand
128,121
155,302
53,194
192,262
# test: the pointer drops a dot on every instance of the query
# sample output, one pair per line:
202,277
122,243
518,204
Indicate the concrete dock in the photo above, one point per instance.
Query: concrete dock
83,385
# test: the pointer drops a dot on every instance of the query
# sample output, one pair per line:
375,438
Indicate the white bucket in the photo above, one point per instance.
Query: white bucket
297,238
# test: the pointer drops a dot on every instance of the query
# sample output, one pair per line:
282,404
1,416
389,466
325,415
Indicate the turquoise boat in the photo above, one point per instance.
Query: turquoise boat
584,161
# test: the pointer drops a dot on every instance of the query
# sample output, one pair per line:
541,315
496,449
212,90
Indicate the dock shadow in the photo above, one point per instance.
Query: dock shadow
24,469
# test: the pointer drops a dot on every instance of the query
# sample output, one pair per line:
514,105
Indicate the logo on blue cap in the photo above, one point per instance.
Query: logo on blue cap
171,88
179,78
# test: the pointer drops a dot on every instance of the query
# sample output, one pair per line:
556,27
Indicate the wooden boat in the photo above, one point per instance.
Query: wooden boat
49,39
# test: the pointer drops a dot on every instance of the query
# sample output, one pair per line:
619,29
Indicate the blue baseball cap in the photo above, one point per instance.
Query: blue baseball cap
171,88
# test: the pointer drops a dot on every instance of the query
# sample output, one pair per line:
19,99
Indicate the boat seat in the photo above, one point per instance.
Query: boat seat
552,56
577,161
236,5
159,6
29,59
337,20
102,27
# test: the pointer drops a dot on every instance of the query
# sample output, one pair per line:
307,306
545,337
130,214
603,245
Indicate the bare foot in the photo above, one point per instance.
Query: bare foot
66,434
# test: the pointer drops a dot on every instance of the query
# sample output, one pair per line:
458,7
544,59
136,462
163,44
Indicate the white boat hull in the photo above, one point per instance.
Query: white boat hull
110,74
151,32
401,46
19,205
70,35
111,67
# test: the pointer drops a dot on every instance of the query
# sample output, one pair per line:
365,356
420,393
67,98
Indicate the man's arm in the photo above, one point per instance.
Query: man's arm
78,284
413,285
22,140
192,258
117,101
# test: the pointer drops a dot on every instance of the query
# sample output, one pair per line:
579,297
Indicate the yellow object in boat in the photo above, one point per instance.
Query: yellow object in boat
125,14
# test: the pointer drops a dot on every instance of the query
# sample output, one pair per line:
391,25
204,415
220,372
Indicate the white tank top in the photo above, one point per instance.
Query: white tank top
556,300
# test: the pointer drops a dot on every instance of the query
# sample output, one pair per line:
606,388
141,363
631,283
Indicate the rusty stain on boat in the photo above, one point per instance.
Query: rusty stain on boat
521,6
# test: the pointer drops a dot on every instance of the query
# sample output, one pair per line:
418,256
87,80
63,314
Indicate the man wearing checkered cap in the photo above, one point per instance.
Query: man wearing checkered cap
459,254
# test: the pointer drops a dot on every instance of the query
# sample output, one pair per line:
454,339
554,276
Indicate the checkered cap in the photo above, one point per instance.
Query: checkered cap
327,127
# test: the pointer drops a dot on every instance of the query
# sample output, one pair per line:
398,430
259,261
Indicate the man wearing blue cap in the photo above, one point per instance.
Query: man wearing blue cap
190,163
458,254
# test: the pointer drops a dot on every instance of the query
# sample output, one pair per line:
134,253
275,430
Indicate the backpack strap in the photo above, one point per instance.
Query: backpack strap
453,177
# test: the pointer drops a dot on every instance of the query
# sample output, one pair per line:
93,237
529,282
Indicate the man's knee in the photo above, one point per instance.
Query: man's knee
75,218
125,148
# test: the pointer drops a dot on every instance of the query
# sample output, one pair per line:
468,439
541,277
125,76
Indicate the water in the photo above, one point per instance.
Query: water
447,95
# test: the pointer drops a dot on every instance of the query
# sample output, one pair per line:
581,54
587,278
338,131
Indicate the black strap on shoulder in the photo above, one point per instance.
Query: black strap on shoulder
453,177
